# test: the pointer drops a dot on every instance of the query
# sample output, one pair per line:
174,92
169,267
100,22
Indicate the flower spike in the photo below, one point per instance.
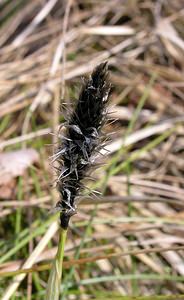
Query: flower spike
82,138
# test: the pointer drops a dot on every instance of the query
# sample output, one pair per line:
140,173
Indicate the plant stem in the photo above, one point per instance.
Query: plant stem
54,282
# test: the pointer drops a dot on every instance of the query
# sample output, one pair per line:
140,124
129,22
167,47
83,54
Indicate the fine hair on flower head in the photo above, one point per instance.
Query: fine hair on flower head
82,140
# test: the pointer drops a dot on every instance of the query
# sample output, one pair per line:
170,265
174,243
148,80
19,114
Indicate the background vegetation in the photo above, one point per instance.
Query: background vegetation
130,241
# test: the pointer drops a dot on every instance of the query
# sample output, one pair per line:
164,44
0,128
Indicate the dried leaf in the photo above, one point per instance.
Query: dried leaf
13,164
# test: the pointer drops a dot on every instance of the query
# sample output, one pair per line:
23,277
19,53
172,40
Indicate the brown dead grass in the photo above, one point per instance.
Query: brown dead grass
46,47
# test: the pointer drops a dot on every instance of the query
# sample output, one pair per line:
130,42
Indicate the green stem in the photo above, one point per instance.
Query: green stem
54,282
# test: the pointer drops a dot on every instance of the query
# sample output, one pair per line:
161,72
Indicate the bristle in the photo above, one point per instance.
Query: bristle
81,140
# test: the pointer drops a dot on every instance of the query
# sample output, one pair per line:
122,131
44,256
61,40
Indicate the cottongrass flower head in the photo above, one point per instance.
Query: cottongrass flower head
82,140
75,156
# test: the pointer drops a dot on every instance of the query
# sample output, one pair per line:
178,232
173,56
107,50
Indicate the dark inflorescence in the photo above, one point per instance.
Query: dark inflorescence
81,140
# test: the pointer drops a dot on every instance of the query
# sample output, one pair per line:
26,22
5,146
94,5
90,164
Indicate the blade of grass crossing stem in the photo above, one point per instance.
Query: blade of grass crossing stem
143,276
135,219
115,296
54,282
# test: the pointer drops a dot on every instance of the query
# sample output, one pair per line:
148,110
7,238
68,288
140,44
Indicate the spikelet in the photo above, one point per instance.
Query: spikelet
81,141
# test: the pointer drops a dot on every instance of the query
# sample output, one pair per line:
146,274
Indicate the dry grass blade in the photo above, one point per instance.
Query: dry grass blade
109,30
45,47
